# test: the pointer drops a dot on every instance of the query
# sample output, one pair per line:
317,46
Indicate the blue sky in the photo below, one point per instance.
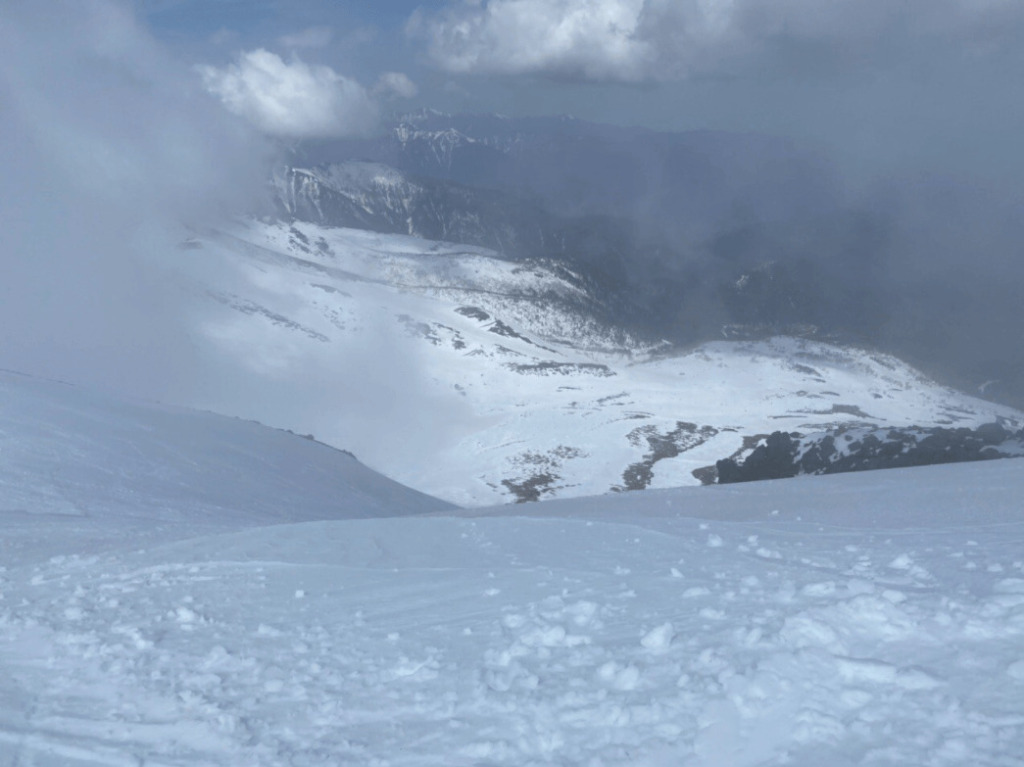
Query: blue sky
260,22
207,16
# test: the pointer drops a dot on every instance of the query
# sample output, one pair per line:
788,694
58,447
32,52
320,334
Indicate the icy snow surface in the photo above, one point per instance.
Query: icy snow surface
867,619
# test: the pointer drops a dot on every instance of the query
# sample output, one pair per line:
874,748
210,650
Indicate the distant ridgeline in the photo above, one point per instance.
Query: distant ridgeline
782,454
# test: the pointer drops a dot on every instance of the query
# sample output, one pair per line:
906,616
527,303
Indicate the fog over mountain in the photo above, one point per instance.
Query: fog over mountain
110,146
699,235
850,166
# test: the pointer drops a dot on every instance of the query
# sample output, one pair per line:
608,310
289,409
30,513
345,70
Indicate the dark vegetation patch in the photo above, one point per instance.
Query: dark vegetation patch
845,410
685,436
473,312
530,489
330,289
324,247
781,454
806,370
708,475
501,329
562,369
541,470
432,331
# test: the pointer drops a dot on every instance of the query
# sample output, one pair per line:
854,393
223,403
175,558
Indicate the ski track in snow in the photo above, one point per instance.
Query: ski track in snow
503,640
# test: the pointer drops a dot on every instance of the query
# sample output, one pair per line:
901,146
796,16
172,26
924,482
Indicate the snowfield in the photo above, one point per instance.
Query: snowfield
184,589
481,380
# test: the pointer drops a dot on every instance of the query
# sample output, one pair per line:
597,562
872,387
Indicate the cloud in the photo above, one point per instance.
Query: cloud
109,146
311,37
292,99
637,40
595,39
395,85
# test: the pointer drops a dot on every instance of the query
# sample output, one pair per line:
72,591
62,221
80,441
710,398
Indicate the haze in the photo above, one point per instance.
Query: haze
122,124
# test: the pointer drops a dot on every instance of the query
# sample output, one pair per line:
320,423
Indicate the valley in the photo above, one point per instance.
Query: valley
481,379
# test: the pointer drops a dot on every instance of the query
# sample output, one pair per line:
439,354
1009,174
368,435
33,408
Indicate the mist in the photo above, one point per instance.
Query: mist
887,211
915,111
111,151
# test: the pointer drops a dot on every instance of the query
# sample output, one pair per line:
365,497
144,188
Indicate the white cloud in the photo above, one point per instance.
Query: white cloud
312,37
589,38
292,99
396,85
633,40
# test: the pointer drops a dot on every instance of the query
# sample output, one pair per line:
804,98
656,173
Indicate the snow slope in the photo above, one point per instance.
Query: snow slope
482,380
84,470
868,619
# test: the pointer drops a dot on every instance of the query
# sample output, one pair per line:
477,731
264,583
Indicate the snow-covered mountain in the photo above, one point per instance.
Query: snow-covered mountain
604,252
479,380
178,589
689,233
382,199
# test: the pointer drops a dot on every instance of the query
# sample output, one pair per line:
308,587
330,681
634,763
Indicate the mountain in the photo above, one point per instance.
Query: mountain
604,252
380,198
689,235
687,184
636,213
179,588
480,379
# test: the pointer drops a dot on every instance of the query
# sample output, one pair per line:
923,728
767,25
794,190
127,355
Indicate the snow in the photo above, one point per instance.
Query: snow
516,389
183,589
83,466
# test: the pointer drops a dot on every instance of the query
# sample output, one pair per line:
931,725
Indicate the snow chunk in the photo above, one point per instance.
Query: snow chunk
822,589
659,639
619,677
902,562
869,671
1016,670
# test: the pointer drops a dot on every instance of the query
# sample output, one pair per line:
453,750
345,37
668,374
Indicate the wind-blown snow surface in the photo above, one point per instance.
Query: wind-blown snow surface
868,619
481,380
